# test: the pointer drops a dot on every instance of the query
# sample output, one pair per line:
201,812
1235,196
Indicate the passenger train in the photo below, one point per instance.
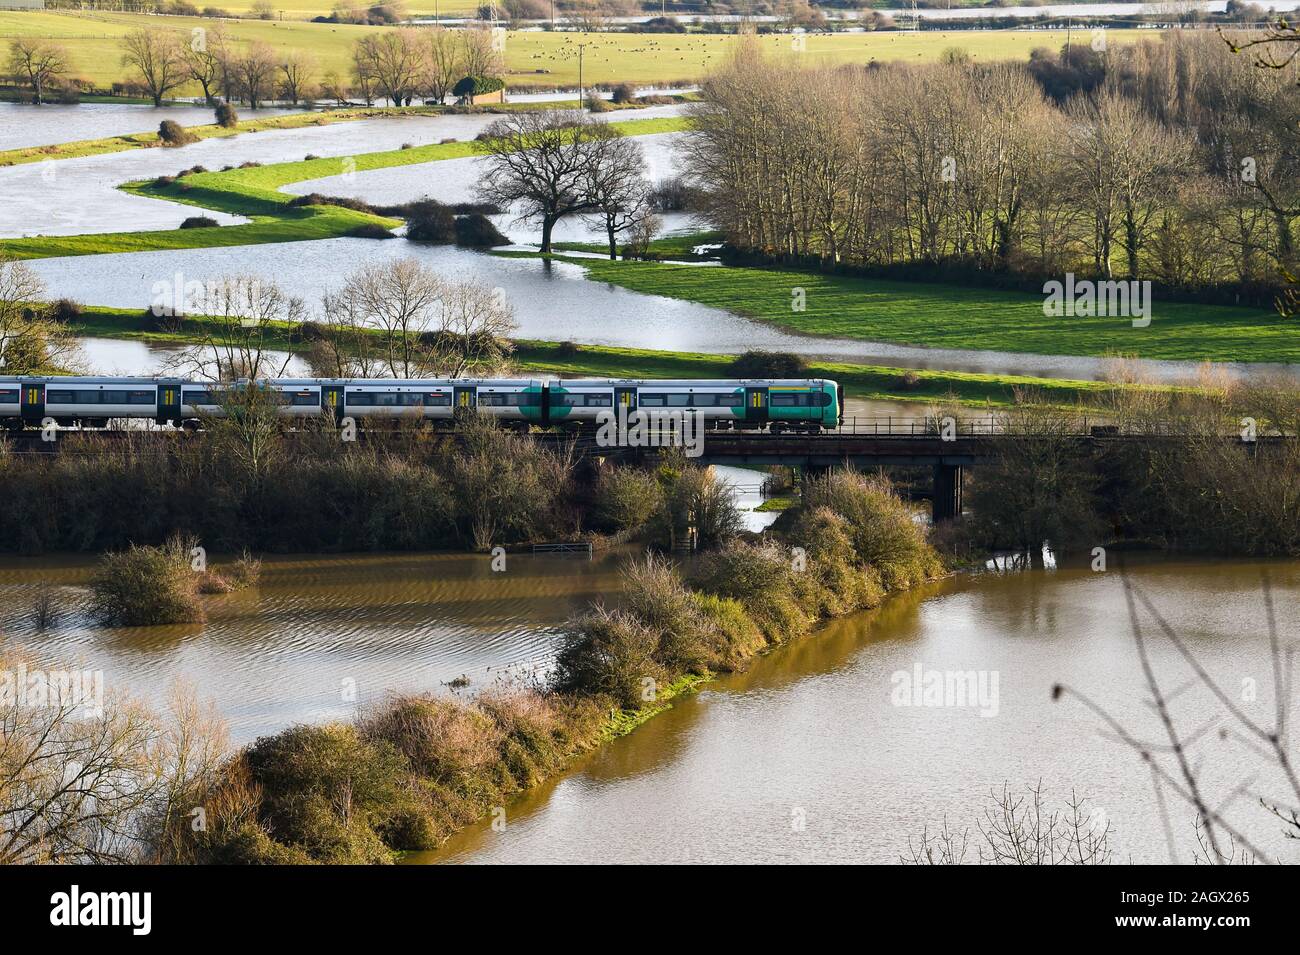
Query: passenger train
92,402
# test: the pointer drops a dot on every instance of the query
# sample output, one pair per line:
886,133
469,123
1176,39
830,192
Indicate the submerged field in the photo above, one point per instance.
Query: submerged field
536,59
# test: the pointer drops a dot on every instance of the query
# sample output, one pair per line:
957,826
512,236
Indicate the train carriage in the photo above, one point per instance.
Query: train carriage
778,404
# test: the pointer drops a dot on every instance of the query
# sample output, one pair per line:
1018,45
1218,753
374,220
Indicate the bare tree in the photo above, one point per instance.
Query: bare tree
395,60
203,57
542,160
400,299
31,341
246,320
478,54
158,58
617,187
297,70
1020,830
37,63
444,62
255,72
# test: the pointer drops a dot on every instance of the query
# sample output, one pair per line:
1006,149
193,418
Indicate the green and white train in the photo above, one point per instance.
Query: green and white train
749,404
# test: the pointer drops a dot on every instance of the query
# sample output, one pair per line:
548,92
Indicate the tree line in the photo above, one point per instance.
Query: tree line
400,66
1175,161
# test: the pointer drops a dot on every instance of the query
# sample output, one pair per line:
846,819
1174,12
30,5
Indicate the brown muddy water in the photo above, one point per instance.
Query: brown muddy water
810,756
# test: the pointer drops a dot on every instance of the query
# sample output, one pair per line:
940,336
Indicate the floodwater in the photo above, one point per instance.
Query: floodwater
24,125
808,757
80,196
318,625
553,301
290,649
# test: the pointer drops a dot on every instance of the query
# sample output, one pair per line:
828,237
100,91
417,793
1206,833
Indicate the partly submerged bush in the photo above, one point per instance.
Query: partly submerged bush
608,652
144,586
477,231
227,118
625,498
199,222
172,133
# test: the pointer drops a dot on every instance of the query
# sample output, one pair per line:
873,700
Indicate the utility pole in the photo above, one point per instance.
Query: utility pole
1067,37
582,102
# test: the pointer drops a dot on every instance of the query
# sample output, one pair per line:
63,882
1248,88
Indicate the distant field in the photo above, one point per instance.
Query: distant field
534,58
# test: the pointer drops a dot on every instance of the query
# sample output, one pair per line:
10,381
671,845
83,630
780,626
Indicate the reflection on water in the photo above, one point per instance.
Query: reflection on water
811,732
115,356
284,651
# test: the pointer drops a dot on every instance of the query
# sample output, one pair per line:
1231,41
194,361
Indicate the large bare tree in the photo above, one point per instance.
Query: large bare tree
542,161
157,57
37,63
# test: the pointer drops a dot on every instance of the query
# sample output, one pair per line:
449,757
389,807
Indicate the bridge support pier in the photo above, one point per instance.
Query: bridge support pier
946,504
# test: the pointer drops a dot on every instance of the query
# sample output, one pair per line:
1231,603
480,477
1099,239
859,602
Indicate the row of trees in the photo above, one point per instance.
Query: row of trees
399,66
1180,163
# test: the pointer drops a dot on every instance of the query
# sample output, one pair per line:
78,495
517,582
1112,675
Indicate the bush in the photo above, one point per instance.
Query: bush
477,231
625,498
694,496
430,221
172,133
653,592
596,103
624,93
199,222
146,586
476,86
370,230
607,652
766,364
761,578
303,772
442,739
879,525
66,310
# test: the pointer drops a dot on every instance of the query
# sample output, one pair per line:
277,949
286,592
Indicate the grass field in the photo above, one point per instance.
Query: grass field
536,59
254,192
870,382
947,316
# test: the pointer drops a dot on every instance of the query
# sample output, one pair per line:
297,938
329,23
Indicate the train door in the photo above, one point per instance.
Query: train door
625,398
464,397
169,403
756,405
33,403
331,401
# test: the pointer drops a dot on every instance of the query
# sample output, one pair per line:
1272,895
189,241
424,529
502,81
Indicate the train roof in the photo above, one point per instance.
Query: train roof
689,382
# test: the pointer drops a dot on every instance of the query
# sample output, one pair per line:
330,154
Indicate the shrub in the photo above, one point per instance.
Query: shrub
145,586
172,133
470,86
765,364
66,310
695,497
199,222
607,652
568,349
596,103
442,739
477,231
908,381
430,221
624,93
879,525
653,592
761,578
331,793
625,498
370,230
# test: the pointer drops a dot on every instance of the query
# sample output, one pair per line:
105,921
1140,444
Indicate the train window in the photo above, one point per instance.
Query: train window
8,396
651,401
678,400
600,401
195,396
304,399
59,397
437,401
791,401
571,400
141,397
